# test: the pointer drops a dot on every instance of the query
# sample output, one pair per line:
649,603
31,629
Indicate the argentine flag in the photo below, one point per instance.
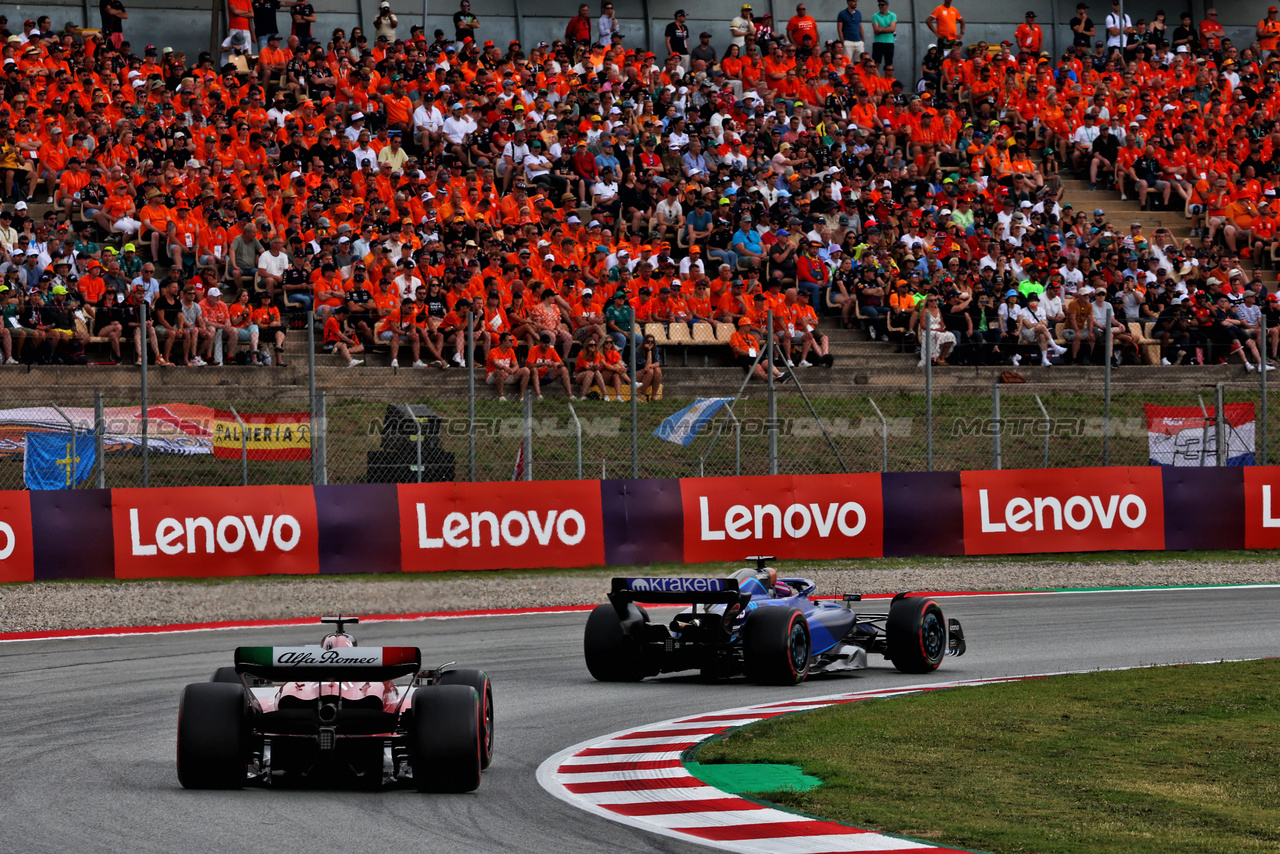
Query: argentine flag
684,426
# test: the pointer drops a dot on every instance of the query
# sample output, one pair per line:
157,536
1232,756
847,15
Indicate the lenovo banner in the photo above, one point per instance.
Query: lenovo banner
1065,510
513,525
17,556
812,516
1261,508
209,533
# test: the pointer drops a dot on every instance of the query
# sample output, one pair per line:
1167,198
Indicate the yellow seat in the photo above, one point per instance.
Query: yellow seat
657,332
704,333
678,333
724,331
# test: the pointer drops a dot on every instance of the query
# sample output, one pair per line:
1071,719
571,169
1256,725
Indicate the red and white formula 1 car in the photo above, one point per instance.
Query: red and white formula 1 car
335,713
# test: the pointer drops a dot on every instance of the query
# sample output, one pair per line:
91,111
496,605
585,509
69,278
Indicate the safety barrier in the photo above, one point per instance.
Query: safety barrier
303,530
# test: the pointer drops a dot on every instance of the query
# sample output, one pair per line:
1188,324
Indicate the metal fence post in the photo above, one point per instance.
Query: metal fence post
1106,394
577,426
1204,430
417,429
772,398
635,410
996,424
146,419
926,341
1262,383
1048,427
1220,422
471,400
311,393
244,448
322,409
100,439
73,457
884,436
527,435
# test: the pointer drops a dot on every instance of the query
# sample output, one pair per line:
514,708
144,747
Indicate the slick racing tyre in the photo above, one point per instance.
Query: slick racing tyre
775,646
213,736
445,741
613,652
227,675
915,635
479,680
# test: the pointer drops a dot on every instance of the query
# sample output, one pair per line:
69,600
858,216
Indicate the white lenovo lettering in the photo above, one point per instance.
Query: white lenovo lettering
1268,520
771,521
1047,513
485,528
8,541
200,534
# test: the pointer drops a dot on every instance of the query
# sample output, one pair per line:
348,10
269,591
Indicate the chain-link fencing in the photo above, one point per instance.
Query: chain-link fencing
428,425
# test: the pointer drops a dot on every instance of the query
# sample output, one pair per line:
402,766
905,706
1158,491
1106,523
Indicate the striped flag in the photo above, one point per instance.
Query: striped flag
684,426
1183,436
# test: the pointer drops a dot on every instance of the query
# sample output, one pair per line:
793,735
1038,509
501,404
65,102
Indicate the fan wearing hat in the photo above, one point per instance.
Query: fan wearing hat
1029,36
386,22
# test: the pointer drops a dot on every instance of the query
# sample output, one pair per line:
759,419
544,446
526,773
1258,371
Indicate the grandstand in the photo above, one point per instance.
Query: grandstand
432,158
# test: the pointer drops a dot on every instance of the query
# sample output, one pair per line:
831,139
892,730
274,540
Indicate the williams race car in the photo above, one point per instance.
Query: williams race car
761,626
335,713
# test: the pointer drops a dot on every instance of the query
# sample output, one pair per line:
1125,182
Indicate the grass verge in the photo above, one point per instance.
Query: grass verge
1149,761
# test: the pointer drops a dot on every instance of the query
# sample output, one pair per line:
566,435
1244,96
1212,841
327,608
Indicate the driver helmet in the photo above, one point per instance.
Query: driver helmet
337,640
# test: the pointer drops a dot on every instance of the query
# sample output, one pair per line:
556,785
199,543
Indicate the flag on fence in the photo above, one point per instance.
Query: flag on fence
684,426
1182,436
518,472
51,461
269,436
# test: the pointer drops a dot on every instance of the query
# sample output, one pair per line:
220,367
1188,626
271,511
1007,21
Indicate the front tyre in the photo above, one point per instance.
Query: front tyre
612,651
479,680
445,741
213,736
775,646
915,635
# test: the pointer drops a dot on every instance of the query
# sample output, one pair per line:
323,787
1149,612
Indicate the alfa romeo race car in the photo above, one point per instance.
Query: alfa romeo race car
755,624
335,713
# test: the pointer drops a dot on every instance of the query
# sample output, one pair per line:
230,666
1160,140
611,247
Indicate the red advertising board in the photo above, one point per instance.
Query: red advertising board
813,516
1261,507
1023,511
210,533
516,525
17,557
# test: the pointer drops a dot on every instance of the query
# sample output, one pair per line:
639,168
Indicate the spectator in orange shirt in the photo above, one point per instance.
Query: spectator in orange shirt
220,346
586,369
341,340
502,365
946,22
544,363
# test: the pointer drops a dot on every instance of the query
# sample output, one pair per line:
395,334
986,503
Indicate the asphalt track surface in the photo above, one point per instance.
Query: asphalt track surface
89,725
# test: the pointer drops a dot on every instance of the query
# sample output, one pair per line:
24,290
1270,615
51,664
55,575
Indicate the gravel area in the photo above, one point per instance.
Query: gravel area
74,605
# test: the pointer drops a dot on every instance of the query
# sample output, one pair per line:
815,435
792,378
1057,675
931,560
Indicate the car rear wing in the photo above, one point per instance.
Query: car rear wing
317,664
676,591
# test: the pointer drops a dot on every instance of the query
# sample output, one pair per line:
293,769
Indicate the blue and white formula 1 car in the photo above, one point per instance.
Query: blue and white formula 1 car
758,625
334,712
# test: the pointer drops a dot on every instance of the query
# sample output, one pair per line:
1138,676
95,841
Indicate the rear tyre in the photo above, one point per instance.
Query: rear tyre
915,635
213,736
445,741
227,675
612,651
479,680
775,646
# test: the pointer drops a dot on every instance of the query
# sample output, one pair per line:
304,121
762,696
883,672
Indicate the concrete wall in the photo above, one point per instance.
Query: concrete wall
185,24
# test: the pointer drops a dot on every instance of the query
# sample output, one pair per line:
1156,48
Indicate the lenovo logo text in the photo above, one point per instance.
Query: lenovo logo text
514,528
1047,513
7,540
230,534
759,521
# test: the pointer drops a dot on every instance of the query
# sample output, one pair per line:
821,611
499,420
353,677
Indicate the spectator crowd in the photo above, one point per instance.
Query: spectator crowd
550,203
